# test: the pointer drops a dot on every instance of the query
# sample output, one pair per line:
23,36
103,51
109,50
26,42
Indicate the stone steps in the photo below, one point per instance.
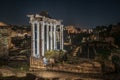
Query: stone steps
70,68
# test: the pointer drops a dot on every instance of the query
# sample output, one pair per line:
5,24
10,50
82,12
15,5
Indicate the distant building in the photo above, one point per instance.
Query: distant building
73,29
47,34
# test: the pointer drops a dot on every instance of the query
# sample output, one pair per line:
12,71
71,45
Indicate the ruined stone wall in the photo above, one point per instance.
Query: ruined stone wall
4,41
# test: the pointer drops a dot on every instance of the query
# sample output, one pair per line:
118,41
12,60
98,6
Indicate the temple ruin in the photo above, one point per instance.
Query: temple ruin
47,35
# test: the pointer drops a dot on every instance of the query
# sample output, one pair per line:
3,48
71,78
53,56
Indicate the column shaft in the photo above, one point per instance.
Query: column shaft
33,40
42,37
55,37
47,36
51,37
61,37
38,38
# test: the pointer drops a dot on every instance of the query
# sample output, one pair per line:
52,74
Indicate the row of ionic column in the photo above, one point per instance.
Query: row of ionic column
44,41
51,36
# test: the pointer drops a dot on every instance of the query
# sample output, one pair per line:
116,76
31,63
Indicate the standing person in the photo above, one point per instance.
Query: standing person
44,61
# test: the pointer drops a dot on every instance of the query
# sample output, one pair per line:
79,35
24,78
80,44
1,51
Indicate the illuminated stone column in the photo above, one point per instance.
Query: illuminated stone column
33,40
38,39
61,37
42,37
47,36
55,37
51,37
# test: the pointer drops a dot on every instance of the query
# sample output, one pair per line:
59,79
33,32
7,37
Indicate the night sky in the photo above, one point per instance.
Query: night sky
82,13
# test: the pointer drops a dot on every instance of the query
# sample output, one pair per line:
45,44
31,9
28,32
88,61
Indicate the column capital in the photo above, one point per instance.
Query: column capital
48,24
51,24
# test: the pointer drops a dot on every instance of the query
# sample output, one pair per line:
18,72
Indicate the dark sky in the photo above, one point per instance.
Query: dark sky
82,13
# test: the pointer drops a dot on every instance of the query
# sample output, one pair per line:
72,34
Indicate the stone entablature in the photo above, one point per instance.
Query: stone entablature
46,20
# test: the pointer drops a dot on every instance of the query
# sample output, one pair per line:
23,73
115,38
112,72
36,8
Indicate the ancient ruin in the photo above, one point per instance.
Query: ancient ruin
47,35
